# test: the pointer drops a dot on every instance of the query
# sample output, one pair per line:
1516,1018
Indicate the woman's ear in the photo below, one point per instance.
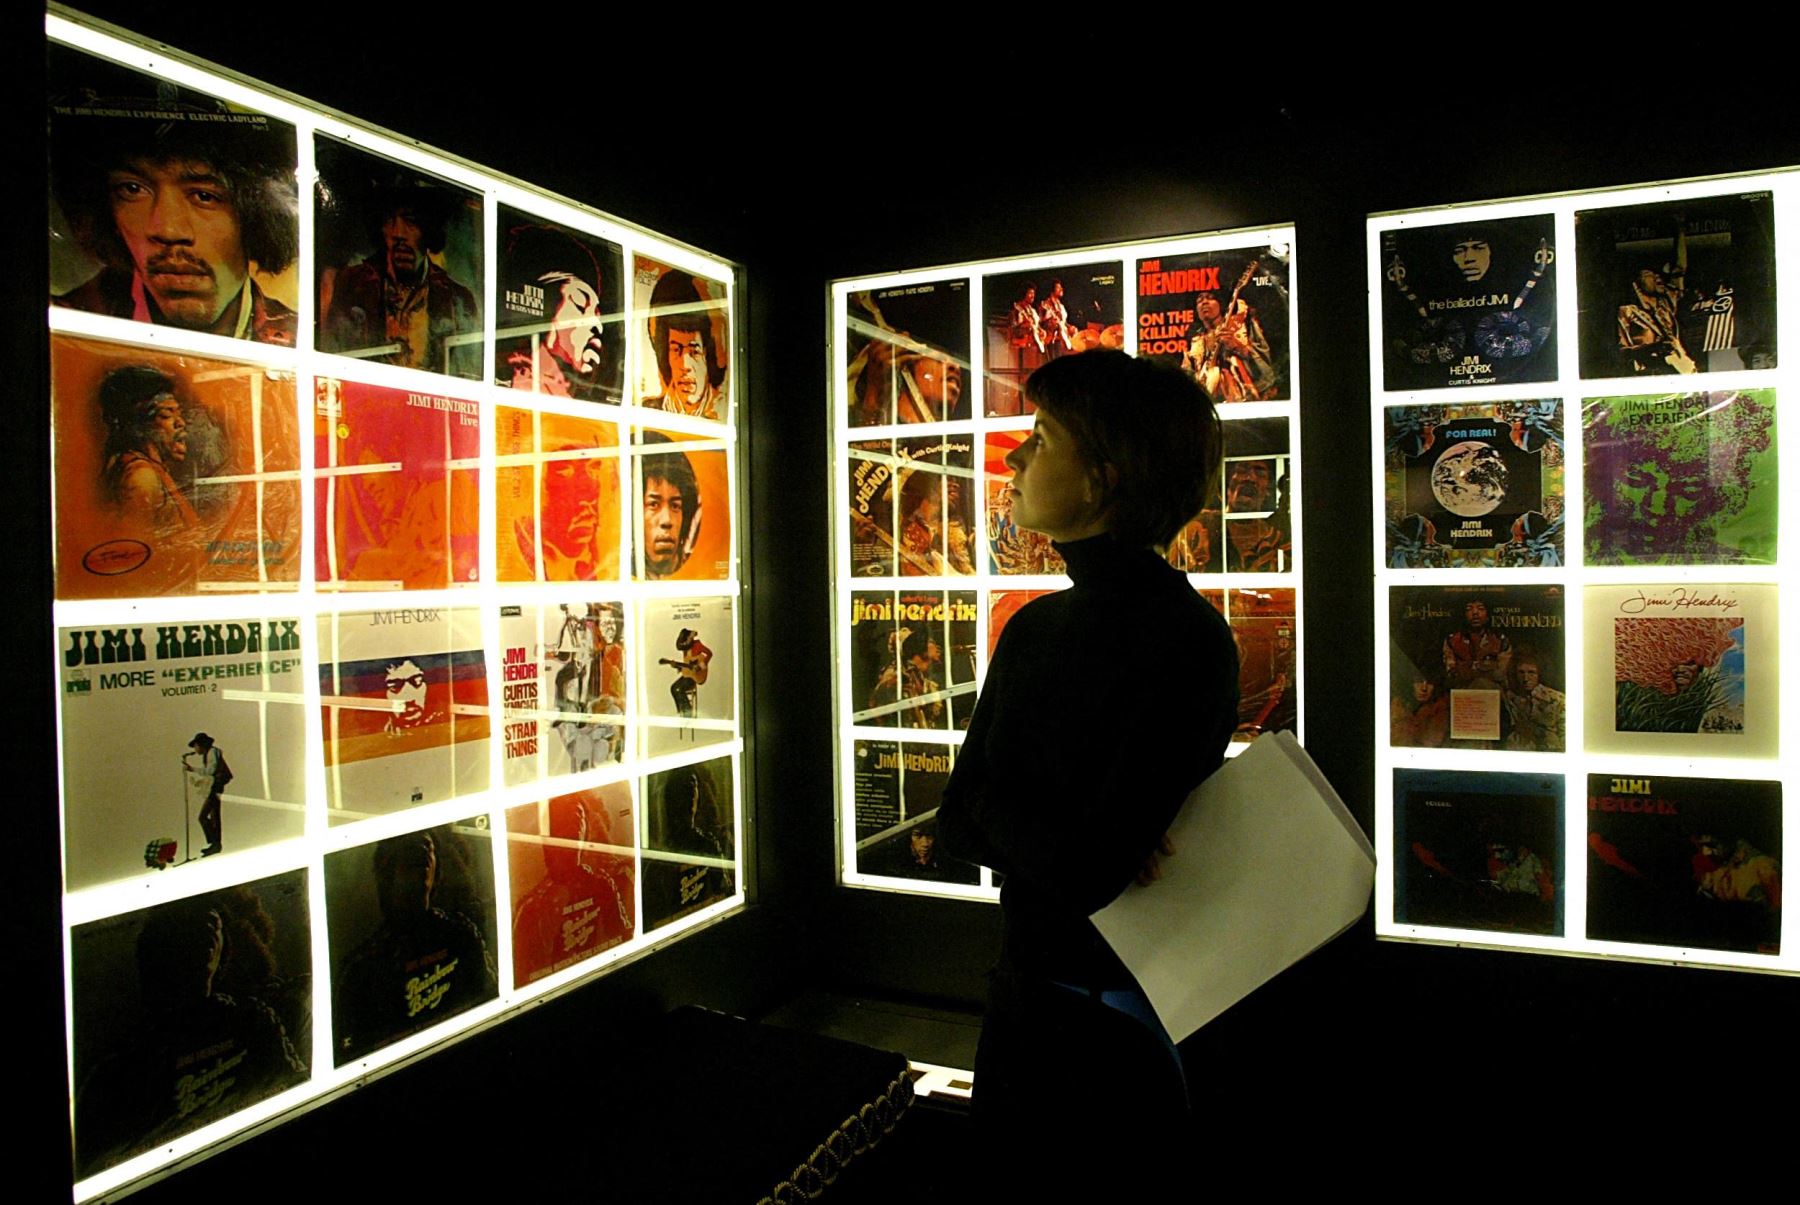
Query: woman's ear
1103,481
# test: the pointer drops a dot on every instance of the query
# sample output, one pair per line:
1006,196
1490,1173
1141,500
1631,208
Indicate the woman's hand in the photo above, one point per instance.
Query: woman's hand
1151,870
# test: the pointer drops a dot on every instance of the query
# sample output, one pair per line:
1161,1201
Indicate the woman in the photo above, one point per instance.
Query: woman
1104,705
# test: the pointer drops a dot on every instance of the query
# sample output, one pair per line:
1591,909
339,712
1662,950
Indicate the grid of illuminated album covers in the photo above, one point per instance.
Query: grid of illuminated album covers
1583,738
927,401
396,597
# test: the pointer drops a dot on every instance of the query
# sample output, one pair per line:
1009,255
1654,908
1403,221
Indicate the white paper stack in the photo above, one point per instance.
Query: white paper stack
1269,865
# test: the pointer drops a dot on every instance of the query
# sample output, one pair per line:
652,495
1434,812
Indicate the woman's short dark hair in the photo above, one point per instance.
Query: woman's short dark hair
1151,422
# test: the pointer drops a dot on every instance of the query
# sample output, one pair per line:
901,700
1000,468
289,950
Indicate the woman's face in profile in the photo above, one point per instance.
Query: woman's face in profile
1052,490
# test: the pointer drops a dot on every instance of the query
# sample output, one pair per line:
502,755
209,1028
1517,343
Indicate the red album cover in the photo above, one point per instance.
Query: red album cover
398,492
573,864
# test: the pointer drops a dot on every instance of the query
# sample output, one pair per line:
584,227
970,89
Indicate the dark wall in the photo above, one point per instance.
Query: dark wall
929,164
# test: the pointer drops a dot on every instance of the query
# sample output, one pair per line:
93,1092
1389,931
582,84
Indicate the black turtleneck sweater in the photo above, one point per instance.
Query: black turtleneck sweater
1104,706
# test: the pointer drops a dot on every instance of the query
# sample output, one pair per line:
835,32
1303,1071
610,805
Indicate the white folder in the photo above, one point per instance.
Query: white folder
1269,865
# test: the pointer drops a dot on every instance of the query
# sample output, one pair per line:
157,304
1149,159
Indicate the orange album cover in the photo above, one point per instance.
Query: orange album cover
174,474
398,488
557,519
685,498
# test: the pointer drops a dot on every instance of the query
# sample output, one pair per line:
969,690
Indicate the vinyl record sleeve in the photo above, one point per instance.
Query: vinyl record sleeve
573,875
559,320
564,688
913,658
1677,287
1686,862
689,841
935,513
399,258
1477,667
684,322
186,1012
684,530
1479,851
874,469
556,519
139,702
174,474
1030,318
1475,485
398,494
898,789
404,696
907,354
1469,303
1683,669
1682,479
690,672
210,247
1222,316
1256,495
1264,623
411,926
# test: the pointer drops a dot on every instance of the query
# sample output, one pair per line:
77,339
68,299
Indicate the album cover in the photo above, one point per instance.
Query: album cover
1477,667
1683,669
1223,316
684,365
1685,862
557,508
559,310
397,493
907,352
898,789
1475,485
1263,623
689,852
405,709
1479,851
411,924
398,253
187,1012
690,678
573,867
913,658
1011,548
168,205
173,474
1677,287
1469,303
180,741
1683,479
563,688
1033,316
685,532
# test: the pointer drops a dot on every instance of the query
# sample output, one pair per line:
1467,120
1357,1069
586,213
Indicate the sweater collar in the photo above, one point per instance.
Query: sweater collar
1101,558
